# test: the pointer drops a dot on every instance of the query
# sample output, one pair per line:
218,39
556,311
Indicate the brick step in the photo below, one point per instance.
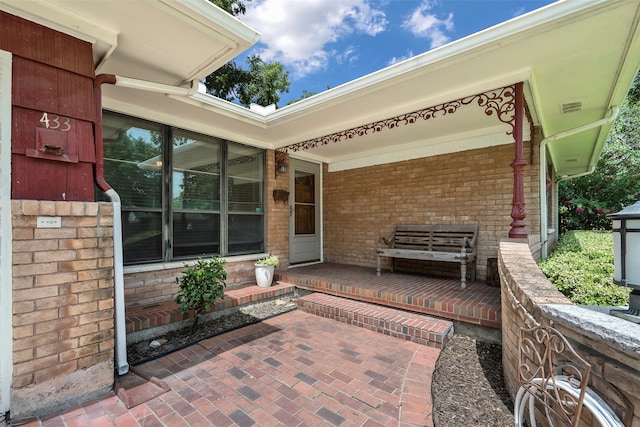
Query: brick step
418,328
163,313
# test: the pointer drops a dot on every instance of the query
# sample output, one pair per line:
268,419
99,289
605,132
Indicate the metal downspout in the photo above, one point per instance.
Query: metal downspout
121,331
120,325
543,166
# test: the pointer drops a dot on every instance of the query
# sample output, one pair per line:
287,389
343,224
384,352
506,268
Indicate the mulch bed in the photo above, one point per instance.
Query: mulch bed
468,386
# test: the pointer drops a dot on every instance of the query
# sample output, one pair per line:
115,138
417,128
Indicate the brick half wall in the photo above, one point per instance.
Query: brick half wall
606,342
63,305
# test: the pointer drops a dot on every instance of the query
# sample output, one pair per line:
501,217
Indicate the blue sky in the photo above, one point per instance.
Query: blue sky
325,43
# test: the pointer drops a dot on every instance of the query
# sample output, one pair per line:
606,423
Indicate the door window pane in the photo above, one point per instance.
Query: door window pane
305,209
305,187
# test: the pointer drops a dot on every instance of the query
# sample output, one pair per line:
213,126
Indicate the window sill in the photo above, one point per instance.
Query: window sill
131,269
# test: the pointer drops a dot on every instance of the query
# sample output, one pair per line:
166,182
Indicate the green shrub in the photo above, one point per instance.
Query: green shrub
581,267
201,285
271,260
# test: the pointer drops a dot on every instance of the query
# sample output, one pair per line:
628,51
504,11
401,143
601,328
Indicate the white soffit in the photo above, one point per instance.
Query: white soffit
164,41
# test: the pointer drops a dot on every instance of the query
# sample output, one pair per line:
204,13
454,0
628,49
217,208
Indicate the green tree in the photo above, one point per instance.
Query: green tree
260,84
265,80
305,94
615,183
233,7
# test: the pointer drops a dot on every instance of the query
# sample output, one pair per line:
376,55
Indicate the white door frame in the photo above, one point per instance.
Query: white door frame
6,282
319,198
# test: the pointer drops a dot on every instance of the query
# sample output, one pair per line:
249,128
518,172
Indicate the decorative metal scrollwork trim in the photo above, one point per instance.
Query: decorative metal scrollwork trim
547,365
498,102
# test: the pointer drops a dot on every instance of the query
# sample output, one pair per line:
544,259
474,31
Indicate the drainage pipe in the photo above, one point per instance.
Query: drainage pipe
613,113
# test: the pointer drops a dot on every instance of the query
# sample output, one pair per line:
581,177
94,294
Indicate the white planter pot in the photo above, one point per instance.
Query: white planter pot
264,275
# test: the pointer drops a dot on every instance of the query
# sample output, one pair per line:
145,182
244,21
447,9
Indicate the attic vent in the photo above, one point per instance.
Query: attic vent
570,107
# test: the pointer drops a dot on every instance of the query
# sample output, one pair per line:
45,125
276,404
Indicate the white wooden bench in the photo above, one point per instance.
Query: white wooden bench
432,242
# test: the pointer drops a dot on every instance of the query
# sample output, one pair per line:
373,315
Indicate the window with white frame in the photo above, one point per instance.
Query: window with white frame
183,194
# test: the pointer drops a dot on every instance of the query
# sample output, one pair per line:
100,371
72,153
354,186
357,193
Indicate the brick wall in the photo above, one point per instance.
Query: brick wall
529,299
472,187
277,227
63,306
157,283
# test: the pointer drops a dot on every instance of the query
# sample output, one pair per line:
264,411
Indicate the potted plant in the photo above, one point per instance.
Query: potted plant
264,270
200,286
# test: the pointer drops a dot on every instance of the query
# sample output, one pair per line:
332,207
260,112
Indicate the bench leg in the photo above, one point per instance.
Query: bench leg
473,270
463,273
378,270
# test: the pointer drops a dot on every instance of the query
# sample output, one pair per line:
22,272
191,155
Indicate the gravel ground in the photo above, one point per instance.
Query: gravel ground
142,351
467,388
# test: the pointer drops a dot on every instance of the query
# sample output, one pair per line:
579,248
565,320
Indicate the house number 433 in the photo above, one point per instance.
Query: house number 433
56,122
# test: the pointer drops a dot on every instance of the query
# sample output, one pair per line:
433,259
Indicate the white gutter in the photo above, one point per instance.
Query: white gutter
157,87
543,166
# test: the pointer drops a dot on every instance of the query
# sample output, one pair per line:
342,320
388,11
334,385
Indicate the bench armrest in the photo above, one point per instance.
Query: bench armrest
472,243
386,241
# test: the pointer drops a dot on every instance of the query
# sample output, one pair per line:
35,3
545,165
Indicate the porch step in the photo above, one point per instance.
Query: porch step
418,328
163,313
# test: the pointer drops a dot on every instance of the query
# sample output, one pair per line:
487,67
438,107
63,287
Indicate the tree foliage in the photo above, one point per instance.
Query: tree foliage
260,83
233,7
615,183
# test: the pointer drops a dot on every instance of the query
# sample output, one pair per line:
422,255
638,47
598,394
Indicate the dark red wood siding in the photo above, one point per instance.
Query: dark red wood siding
52,80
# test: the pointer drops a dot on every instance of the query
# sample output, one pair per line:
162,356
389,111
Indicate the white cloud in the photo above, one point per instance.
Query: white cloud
395,59
520,11
297,32
348,55
424,24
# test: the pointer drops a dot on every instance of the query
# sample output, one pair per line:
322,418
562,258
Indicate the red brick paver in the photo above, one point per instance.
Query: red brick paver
292,370
477,304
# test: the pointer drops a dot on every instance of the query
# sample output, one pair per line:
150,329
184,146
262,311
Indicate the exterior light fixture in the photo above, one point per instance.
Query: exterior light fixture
626,254
281,163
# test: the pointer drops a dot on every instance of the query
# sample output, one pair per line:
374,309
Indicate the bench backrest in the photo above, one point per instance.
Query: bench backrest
435,237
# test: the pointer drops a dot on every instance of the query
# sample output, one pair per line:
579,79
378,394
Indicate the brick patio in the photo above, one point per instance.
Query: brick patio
291,370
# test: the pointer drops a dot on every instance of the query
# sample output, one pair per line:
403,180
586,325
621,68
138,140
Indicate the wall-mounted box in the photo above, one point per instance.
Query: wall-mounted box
54,145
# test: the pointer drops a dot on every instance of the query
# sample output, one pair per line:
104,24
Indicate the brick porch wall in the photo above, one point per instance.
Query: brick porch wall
529,298
63,306
471,187
157,283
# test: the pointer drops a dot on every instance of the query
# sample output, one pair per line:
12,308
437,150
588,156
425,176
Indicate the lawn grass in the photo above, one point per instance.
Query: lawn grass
581,267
